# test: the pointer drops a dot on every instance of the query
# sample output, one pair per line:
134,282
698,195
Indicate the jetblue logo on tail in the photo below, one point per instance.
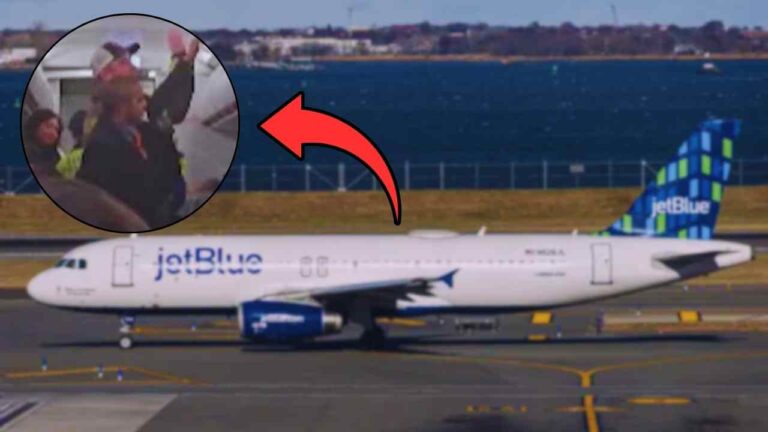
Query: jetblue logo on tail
681,206
685,194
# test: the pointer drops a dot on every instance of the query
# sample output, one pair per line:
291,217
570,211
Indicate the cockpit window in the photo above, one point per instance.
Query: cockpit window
72,263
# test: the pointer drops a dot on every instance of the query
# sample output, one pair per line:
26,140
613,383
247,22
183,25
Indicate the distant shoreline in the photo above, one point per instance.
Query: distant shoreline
524,59
499,59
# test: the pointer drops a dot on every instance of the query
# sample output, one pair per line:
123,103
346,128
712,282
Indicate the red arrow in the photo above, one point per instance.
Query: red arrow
293,126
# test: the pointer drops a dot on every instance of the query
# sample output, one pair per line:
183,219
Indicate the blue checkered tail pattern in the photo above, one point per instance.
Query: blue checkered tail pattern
684,197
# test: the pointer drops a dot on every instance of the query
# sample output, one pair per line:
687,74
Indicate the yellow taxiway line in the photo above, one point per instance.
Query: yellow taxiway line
586,376
659,400
589,413
161,377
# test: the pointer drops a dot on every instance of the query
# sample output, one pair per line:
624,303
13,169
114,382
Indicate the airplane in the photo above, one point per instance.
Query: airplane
294,287
64,82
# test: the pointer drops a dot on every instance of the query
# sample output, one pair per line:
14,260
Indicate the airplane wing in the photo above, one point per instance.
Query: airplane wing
383,293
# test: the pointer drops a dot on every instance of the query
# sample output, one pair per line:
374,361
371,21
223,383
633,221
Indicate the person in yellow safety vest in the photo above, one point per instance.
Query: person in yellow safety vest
69,163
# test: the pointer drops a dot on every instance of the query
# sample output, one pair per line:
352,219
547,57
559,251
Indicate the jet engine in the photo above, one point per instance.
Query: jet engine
285,321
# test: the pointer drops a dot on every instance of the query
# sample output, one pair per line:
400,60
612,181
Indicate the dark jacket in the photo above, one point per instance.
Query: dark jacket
149,179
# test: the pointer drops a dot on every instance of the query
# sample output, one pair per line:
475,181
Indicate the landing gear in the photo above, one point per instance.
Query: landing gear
126,329
373,337
361,313
126,342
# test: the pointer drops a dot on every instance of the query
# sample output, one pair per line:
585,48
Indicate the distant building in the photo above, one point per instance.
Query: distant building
285,46
686,49
10,56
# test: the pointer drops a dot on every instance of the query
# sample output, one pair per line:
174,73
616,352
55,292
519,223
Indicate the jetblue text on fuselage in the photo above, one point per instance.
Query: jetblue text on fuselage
680,205
202,261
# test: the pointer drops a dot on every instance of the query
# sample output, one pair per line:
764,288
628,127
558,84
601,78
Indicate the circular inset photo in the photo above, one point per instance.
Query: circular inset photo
129,123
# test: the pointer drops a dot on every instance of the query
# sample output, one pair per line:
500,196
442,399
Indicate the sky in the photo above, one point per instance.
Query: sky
260,14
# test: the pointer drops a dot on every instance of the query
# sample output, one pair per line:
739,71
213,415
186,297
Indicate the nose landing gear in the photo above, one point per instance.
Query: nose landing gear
125,342
126,330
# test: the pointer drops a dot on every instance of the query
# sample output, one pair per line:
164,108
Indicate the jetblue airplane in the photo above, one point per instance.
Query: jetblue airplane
285,288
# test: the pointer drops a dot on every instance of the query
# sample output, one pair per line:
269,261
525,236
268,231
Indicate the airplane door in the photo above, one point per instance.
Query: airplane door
122,266
602,264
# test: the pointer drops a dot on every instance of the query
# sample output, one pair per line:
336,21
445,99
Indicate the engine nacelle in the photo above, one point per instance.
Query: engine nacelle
280,321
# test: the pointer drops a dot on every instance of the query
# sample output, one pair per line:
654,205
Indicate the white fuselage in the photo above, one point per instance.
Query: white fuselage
167,273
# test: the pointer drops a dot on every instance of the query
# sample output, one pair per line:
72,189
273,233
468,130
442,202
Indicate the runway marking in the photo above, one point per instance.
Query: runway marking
689,328
93,412
504,409
498,360
156,330
589,374
659,400
161,377
590,411
586,376
187,333
598,409
590,416
102,382
700,327
164,376
224,323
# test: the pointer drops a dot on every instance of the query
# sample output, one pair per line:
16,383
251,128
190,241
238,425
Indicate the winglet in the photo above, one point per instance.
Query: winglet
448,278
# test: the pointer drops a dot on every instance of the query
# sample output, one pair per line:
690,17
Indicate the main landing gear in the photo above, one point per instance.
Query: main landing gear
126,330
373,336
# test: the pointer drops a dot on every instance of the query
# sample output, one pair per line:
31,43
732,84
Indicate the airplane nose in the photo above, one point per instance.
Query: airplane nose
38,289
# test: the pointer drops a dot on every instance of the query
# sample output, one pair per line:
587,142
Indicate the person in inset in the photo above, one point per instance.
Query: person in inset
169,104
42,133
131,152
88,203
69,163
129,158
76,127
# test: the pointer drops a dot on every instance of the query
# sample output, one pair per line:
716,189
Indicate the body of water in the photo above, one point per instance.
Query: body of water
487,112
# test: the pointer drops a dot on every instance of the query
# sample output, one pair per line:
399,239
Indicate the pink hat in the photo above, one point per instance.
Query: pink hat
112,61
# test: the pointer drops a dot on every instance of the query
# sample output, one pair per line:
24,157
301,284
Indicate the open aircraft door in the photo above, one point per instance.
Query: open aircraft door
122,266
602,264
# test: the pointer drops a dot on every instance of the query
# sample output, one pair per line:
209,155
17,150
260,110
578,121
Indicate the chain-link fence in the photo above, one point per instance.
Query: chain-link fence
510,175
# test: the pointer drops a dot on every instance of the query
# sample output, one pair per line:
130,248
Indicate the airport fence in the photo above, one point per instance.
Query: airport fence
414,176
511,175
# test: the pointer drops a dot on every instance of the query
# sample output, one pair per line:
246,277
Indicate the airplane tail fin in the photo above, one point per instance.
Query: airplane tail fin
683,200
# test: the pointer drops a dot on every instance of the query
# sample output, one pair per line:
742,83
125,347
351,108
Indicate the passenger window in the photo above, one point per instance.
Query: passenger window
322,266
306,267
82,264
70,264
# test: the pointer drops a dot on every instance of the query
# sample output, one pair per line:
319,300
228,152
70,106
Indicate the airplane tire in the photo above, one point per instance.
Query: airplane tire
373,338
126,342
